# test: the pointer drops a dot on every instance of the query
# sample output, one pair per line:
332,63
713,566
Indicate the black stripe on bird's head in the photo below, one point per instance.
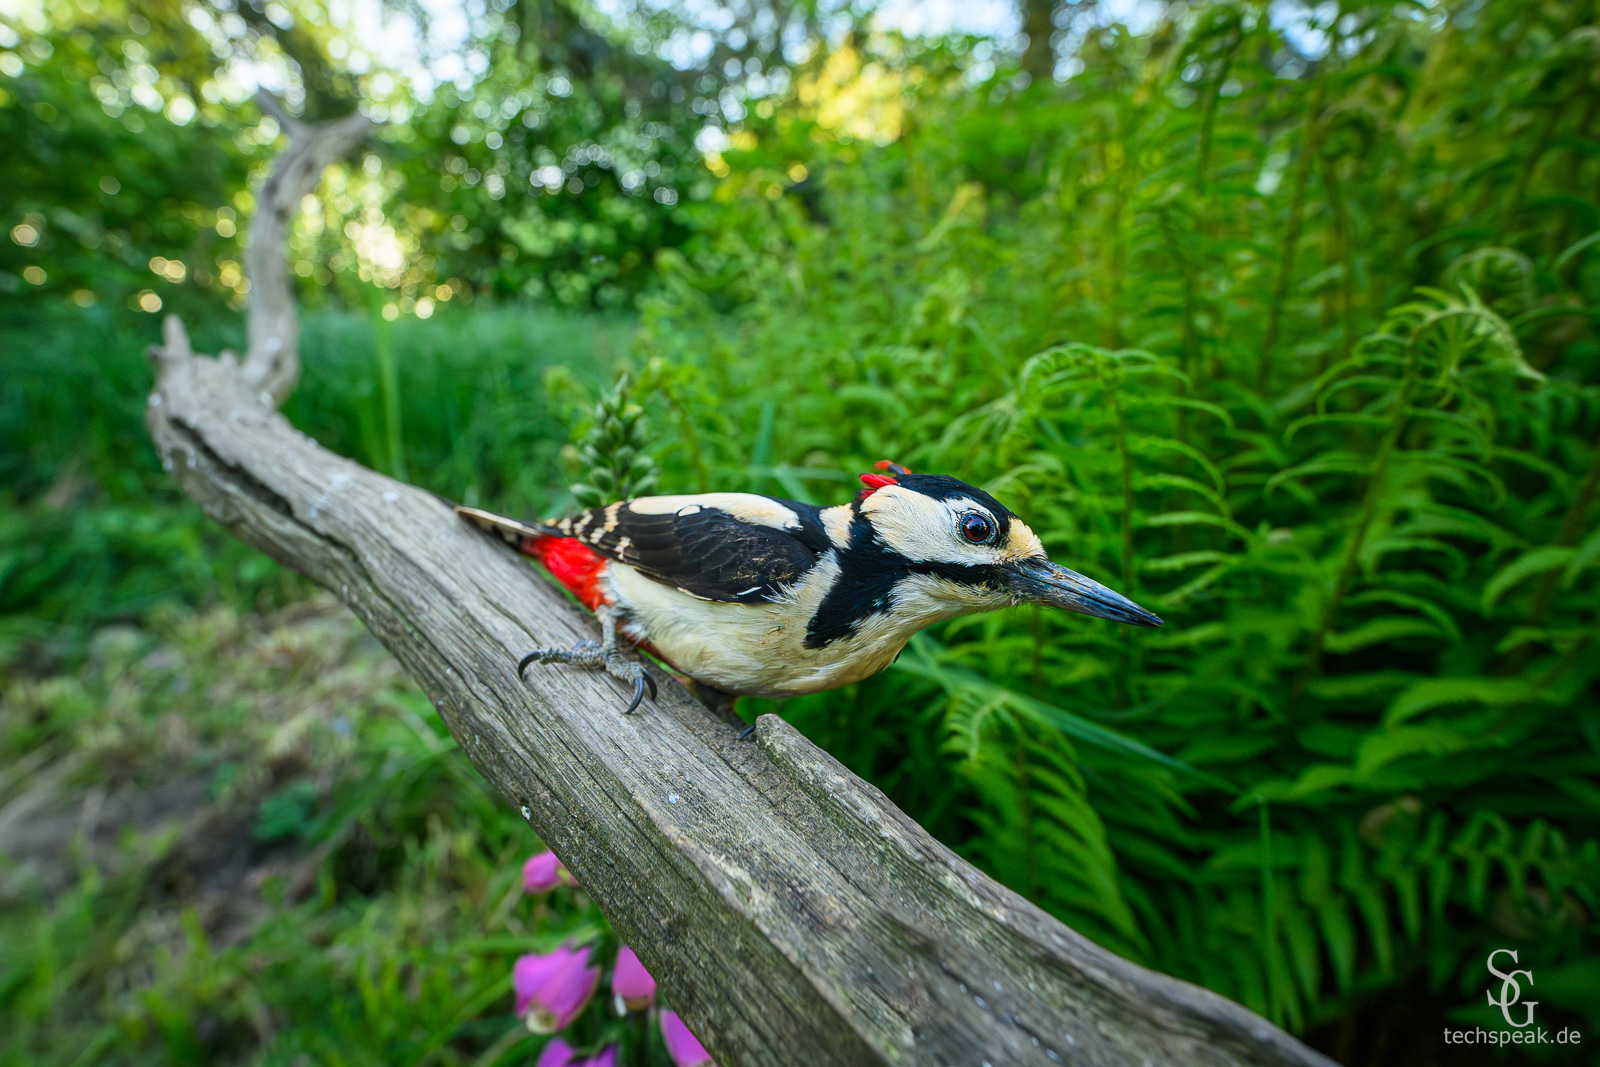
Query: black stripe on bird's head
974,551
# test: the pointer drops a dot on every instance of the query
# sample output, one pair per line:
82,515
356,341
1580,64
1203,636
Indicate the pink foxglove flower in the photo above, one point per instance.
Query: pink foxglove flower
606,1057
552,989
632,984
684,1048
556,1054
545,872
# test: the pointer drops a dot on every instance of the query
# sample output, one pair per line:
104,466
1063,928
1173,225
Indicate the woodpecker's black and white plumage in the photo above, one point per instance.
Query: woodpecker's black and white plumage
754,595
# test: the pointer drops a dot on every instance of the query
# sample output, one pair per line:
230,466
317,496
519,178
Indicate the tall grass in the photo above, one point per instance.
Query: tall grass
94,532
473,404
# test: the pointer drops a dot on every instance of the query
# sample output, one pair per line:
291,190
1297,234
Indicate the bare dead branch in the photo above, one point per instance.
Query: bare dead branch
272,356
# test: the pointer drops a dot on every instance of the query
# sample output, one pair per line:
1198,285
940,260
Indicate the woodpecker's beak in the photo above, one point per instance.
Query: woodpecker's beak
1043,582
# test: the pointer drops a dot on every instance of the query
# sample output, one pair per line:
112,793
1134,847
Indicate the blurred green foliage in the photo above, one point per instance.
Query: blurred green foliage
283,858
554,175
93,187
1294,345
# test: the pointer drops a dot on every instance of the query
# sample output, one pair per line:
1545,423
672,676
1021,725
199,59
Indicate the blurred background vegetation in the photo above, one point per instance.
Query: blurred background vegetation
1280,318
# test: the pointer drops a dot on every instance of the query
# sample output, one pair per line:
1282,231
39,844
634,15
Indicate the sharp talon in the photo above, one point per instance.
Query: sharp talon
531,657
744,735
593,655
638,692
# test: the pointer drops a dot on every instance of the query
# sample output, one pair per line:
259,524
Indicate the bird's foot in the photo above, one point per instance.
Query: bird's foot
595,656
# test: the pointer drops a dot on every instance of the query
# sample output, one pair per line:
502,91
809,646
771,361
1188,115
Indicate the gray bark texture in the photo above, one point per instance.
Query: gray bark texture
790,912
272,351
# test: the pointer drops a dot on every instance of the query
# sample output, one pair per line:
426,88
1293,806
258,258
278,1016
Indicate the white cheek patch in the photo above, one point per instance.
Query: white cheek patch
746,507
923,529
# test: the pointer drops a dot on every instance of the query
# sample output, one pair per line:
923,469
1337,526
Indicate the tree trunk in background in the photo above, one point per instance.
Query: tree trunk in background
1038,23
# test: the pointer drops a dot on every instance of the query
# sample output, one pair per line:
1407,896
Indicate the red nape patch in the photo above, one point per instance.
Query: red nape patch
573,564
874,482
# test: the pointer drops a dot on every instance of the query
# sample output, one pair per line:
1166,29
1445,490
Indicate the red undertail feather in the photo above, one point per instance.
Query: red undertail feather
573,563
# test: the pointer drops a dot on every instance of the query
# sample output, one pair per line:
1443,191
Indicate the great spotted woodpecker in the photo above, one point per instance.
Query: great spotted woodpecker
754,595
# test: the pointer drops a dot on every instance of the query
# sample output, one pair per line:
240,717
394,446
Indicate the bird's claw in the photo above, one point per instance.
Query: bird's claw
593,655
582,654
629,671
638,694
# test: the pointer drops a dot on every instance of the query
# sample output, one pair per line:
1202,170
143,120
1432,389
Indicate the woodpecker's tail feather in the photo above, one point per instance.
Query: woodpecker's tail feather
514,533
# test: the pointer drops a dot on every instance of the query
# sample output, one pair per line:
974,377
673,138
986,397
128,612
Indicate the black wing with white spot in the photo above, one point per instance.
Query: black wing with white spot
703,550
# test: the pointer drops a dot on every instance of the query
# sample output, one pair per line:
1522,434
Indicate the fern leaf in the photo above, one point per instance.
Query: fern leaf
1431,693
1535,561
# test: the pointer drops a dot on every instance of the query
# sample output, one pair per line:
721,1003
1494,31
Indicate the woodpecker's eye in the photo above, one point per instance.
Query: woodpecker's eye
976,528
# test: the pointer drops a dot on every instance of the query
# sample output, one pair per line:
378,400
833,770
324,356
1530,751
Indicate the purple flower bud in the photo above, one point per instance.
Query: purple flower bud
556,1054
682,1046
606,1057
552,989
632,984
544,872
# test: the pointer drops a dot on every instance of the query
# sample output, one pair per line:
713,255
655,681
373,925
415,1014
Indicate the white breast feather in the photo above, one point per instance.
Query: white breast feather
759,649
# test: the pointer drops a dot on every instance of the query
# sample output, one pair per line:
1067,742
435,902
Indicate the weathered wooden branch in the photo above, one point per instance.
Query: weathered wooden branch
272,352
792,914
